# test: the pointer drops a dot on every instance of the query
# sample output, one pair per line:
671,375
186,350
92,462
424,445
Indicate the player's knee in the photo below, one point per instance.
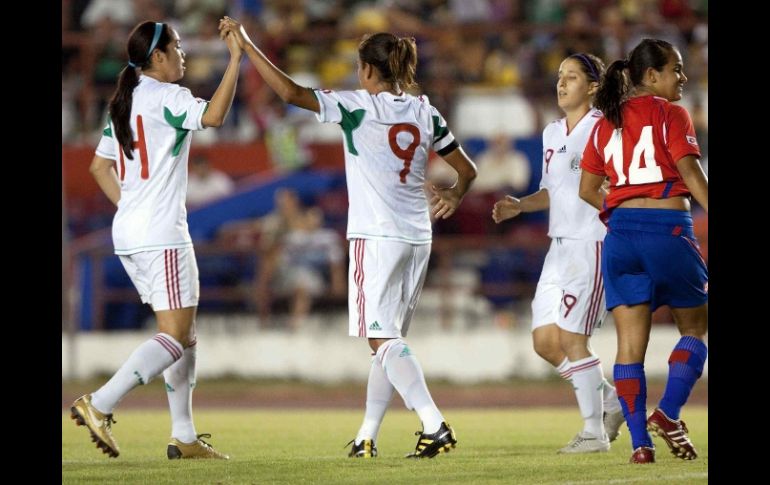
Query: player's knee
547,350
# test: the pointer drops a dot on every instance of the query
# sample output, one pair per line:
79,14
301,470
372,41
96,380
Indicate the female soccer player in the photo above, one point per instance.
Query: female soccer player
647,147
388,135
141,165
569,300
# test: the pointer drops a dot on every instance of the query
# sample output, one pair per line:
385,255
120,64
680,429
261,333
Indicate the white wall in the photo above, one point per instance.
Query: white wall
324,352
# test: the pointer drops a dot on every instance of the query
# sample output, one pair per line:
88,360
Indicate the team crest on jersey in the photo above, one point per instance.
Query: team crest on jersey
574,163
691,140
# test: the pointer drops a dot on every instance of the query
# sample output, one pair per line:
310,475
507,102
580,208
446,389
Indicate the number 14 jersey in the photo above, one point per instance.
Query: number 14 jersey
640,159
386,139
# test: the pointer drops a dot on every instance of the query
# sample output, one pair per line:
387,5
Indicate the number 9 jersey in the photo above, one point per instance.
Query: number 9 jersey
151,212
387,140
640,159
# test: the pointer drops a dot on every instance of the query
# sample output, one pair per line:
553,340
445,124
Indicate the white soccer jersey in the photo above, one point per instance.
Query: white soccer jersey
387,140
151,212
569,215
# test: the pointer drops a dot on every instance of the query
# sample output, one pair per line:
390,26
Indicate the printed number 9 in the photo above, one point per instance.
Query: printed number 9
404,154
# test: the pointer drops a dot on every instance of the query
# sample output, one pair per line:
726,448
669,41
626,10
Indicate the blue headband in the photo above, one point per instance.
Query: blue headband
590,65
155,38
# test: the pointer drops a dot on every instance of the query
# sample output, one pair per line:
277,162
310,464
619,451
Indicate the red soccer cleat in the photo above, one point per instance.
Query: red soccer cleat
674,433
643,454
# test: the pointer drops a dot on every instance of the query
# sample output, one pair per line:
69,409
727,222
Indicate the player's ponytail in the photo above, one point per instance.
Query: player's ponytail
611,93
649,53
403,62
395,58
144,39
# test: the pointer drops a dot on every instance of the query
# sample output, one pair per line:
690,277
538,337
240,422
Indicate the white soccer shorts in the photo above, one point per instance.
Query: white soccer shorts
570,292
385,279
166,279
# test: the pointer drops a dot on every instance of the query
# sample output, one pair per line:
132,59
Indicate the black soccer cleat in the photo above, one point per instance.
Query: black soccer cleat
365,449
430,445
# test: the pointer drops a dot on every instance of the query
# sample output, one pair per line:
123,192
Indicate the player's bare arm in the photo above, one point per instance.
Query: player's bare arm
103,170
445,200
280,82
510,206
692,174
592,189
222,99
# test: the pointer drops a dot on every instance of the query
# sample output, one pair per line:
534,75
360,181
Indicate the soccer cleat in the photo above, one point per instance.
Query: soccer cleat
674,433
612,423
365,449
430,445
643,454
197,449
586,443
99,424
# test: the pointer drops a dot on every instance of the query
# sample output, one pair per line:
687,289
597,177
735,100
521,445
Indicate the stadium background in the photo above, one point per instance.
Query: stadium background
487,65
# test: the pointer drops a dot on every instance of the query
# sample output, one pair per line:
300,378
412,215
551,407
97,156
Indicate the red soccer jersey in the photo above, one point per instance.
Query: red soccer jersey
640,159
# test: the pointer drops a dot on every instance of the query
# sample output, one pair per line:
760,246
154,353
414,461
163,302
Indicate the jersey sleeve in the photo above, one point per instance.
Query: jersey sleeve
681,134
443,141
107,144
183,110
338,106
592,160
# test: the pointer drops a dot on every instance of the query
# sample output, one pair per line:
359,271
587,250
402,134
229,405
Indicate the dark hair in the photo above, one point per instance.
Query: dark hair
654,53
120,104
395,57
591,65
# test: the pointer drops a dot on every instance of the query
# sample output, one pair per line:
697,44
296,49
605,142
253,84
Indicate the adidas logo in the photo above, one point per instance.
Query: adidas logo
405,352
563,149
375,326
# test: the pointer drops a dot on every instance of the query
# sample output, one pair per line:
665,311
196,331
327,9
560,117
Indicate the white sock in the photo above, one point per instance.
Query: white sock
379,392
587,379
180,382
564,369
404,372
143,365
611,403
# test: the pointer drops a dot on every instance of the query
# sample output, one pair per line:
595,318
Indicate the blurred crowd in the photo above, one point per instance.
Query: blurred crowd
489,66
508,46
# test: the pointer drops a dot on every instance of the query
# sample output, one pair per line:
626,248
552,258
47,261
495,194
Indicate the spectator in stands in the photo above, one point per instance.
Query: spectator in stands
502,167
312,265
569,300
205,183
297,257
146,138
651,257
388,135
273,229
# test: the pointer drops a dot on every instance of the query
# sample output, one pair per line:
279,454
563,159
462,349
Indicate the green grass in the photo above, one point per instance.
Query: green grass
266,446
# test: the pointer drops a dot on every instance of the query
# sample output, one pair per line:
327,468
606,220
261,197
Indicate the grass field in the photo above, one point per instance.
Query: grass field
296,446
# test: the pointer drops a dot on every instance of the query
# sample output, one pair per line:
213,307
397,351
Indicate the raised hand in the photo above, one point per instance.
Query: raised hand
232,26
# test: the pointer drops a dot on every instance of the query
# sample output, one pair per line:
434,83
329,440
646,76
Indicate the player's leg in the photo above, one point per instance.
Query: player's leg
401,269
181,302
629,291
685,368
681,280
379,390
145,363
545,307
